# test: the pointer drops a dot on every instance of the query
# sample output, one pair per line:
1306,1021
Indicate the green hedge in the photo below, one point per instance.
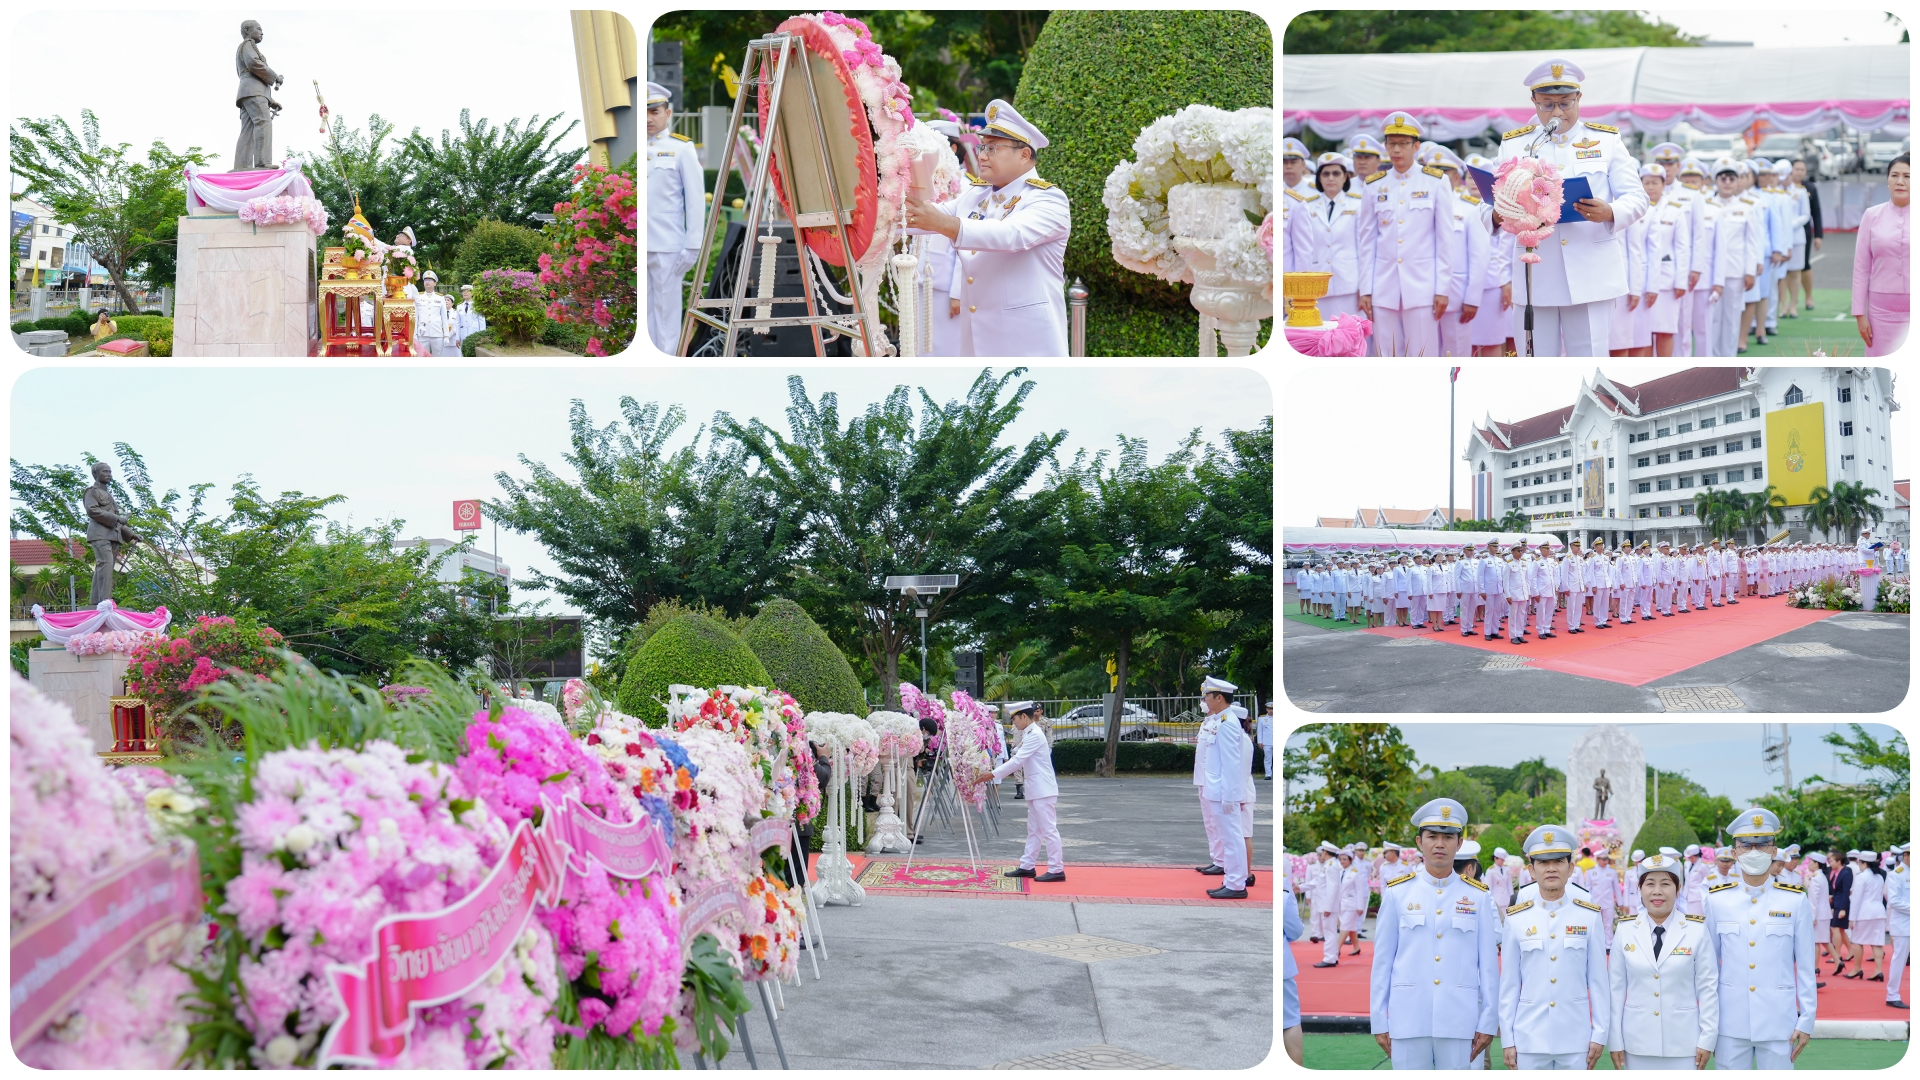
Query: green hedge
1079,756
1666,828
802,660
1092,81
496,245
690,649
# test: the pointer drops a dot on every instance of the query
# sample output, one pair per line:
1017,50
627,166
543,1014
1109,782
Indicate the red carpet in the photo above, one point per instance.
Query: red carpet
1342,991
1094,883
1638,653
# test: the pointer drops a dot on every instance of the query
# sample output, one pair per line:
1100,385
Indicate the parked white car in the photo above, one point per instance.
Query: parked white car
1832,159
1710,148
1881,154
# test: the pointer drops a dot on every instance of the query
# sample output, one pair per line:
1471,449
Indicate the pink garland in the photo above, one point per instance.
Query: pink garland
1528,195
112,642
287,210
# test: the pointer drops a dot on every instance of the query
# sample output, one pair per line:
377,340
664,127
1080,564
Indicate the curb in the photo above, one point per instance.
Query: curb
1867,1030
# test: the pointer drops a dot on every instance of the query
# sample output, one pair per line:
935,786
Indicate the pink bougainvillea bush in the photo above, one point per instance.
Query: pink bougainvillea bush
70,820
170,672
593,272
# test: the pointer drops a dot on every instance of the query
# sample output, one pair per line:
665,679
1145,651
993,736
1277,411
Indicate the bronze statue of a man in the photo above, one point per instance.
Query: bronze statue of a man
1602,791
106,531
257,107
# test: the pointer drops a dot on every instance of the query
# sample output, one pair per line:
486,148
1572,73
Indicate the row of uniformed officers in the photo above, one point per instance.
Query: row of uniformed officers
1734,981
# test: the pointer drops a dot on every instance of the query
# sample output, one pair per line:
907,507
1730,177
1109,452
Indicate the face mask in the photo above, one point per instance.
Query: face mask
1754,862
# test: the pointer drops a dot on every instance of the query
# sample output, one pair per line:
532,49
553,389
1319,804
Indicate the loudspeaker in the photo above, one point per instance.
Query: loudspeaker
788,280
969,672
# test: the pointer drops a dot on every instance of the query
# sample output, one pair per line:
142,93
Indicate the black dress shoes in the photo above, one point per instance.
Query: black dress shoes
1019,871
1052,875
1224,893
1212,870
1251,878
1215,893
1896,1004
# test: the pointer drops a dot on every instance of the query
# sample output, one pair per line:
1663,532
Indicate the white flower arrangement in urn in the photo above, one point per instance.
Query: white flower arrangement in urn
1189,209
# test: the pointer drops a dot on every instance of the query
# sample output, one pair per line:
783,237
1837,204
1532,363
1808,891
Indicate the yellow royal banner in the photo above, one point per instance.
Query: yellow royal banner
1797,451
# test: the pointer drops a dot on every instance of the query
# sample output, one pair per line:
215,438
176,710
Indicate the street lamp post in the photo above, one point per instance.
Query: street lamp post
913,587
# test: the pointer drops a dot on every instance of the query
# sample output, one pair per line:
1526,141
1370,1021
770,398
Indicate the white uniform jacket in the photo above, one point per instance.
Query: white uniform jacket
1669,251
1667,1007
1229,775
1353,888
1582,261
1435,973
1817,897
1340,245
1553,976
1899,901
676,194
1409,215
1012,249
1764,937
1738,234
1035,758
1326,888
1869,896
1301,238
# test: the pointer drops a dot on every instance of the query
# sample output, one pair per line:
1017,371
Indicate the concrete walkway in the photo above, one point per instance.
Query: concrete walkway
933,983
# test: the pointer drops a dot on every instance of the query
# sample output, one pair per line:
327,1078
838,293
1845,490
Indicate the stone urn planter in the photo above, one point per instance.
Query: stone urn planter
1199,216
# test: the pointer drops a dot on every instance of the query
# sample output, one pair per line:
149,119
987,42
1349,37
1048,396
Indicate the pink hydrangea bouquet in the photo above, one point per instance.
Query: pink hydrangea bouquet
973,740
1527,193
111,642
287,210
334,840
900,733
618,941
69,822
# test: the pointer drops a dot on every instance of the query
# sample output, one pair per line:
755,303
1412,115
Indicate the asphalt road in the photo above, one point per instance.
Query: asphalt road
1354,671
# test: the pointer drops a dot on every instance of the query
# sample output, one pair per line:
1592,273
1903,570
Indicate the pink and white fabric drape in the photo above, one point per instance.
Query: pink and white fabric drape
58,626
1444,125
228,192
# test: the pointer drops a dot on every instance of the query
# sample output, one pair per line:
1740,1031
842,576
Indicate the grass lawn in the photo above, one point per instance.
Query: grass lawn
1361,1052
1816,329
1325,624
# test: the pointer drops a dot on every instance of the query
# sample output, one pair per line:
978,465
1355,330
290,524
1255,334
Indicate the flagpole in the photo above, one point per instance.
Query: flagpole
1453,378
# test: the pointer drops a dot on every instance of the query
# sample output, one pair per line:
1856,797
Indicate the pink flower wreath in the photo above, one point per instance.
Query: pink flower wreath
1527,193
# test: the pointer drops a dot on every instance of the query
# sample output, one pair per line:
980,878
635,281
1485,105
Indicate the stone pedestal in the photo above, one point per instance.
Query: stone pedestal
1869,588
245,290
85,684
37,305
86,302
166,301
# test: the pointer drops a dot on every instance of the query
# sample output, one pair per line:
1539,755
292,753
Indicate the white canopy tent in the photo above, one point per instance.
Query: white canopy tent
1408,541
1715,90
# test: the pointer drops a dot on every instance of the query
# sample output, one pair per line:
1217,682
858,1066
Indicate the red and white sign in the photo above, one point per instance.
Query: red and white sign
466,515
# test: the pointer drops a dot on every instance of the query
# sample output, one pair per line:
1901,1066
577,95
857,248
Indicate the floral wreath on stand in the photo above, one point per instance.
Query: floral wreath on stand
1198,144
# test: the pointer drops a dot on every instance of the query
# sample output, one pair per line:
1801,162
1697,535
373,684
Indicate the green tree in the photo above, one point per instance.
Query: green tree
505,173
1233,550
1842,510
1708,815
363,168
802,660
1498,780
1474,31
1018,674
1823,816
1515,522
1534,776
1475,795
1888,765
1362,771
1665,827
1763,508
117,205
890,494
1475,525
1123,566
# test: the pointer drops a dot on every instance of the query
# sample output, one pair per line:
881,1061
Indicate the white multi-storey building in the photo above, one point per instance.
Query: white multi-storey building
1625,462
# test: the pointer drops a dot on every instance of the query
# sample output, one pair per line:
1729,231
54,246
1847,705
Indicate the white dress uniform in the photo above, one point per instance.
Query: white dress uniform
1433,1001
1626,320
466,321
1491,324
1470,262
1012,251
1764,937
1664,1006
676,198
1899,922
433,323
1407,212
1325,901
1229,788
1553,975
1035,759
1732,233
1353,896
1583,263
939,268
1297,233
1669,255
1337,244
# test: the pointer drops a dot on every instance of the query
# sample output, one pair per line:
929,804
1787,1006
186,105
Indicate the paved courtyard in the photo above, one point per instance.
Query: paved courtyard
938,983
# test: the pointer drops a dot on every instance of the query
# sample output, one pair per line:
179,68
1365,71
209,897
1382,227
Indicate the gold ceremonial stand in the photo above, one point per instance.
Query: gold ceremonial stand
341,331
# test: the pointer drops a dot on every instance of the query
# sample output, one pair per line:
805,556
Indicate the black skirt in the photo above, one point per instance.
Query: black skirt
1838,922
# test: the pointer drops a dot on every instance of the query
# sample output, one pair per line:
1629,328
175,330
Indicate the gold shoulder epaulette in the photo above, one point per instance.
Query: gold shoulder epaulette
972,179
1517,908
1789,888
1034,181
681,137
1696,918
1315,197
1377,176
1474,199
1618,919
1608,128
1434,170
1398,880
1292,194
1585,904
1728,885
1748,201
981,183
1517,132
1475,884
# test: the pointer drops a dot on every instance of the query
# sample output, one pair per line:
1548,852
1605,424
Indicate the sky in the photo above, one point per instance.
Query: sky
1786,29
1374,435
170,75
406,442
1724,758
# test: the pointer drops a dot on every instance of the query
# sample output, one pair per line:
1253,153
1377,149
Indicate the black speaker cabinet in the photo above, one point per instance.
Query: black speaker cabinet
788,280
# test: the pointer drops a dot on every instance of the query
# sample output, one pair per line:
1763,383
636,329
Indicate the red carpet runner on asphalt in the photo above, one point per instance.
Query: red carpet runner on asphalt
1639,653
1342,991
1093,883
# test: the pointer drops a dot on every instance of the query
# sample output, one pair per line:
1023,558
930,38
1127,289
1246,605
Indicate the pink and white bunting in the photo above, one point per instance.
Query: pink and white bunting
1445,125
58,626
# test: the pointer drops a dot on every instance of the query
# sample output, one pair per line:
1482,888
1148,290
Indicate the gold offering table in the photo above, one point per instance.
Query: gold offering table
342,331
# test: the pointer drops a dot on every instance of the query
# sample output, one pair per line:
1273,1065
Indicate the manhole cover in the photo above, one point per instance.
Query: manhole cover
1865,624
1401,643
1085,948
1808,648
1700,699
1088,1057
1505,663
1308,706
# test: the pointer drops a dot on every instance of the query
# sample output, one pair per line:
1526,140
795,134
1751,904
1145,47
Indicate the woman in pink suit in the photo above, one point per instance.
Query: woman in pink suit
1881,282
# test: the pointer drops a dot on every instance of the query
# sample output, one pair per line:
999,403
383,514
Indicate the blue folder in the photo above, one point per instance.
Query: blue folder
1572,188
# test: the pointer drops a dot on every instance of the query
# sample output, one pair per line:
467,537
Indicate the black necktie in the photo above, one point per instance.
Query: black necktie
1658,933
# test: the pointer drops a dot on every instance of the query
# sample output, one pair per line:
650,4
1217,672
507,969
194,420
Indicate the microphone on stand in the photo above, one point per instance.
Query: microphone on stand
1546,133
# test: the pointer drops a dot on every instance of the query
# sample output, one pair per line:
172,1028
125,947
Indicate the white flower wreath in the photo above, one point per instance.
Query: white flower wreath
1198,144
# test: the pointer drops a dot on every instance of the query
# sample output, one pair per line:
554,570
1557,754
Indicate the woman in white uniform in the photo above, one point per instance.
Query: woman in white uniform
1665,979
1342,247
1869,915
1669,254
1622,335
1492,328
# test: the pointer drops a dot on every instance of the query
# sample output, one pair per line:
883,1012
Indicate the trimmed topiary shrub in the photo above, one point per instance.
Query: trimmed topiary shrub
802,660
1666,828
496,245
690,649
1092,81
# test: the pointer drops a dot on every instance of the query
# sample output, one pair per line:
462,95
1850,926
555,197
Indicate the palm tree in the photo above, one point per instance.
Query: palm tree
1763,507
1532,776
1823,512
1718,512
1016,675
1856,507
1515,522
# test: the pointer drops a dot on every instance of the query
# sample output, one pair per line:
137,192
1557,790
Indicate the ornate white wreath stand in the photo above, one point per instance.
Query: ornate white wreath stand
836,884
889,831
1199,215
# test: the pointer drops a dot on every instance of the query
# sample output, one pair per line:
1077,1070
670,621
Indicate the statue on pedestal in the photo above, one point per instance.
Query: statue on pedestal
257,107
1602,791
106,531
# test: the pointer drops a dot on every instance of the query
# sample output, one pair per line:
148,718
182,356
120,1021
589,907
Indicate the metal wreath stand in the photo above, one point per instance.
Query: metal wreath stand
778,49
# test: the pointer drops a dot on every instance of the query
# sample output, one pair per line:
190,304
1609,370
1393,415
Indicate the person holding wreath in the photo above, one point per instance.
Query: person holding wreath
1035,758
